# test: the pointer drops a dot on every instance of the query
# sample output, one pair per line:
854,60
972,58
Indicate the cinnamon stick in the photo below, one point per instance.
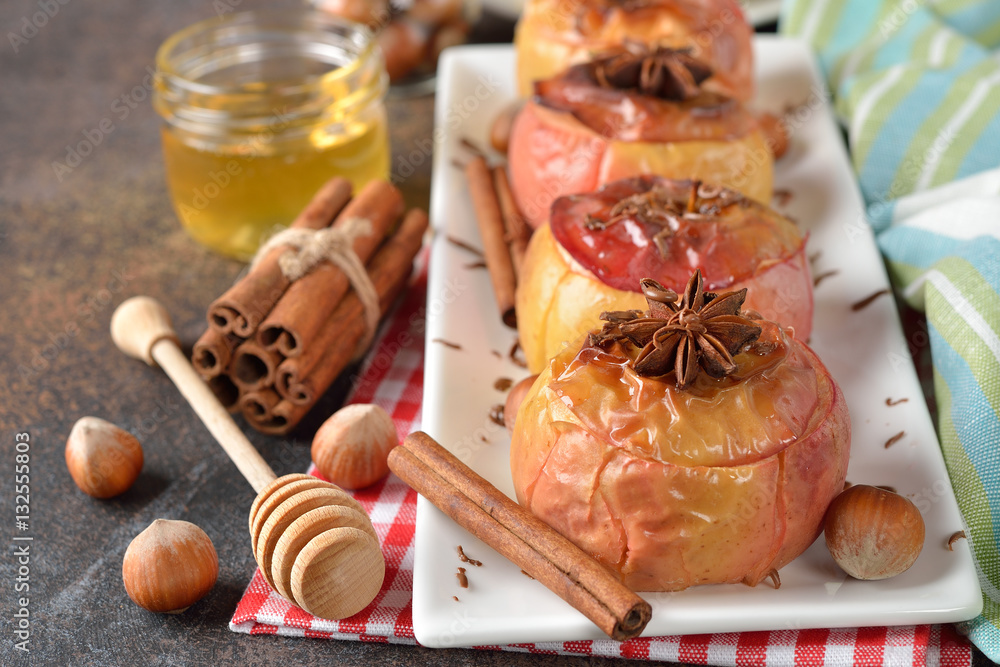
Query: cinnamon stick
258,405
491,228
516,229
226,391
285,414
241,309
253,366
213,351
519,536
303,379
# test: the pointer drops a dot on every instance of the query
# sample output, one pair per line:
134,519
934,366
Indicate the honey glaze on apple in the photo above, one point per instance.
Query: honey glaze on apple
723,480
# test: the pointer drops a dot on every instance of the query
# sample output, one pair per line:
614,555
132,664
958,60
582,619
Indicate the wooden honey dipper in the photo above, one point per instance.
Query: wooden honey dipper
315,545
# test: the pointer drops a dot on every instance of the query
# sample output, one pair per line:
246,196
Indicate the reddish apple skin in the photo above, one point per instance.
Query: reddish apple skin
551,153
571,273
739,490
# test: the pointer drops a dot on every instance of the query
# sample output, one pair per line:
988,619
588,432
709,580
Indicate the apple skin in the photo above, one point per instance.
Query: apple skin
552,153
559,298
672,489
555,34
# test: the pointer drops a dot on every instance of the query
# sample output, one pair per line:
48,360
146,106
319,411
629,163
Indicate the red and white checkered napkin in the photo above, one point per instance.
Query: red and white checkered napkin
393,378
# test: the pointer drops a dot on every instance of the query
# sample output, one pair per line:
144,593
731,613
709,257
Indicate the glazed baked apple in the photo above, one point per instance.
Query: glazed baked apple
552,35
683,446
598,246
632,112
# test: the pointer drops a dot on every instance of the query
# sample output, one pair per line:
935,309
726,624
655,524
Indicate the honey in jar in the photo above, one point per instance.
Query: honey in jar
260,109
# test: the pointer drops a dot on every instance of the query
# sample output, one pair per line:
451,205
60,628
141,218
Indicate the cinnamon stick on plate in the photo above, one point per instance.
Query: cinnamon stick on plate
243,306
491,228
519,536
517,231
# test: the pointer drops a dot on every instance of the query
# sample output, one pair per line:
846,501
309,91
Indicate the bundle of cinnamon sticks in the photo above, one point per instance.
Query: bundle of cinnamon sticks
274,346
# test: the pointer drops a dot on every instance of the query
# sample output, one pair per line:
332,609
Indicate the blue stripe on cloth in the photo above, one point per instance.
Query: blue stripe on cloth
855,23
984,254
974,18
880,215
983,154
898,50
976,423
983,634
917,247
893,140
969,55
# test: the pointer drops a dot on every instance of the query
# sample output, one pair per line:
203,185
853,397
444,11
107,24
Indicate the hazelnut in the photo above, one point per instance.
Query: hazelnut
351,448
873,533
169,566
102,459
404,45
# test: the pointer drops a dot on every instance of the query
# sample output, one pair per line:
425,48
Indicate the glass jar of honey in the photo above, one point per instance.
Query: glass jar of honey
260,109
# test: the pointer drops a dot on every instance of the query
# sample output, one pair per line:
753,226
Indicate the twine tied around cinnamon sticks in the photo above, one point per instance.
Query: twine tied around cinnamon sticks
308,247
281,335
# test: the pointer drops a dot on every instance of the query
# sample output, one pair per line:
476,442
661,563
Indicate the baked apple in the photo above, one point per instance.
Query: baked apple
683,446
552,35
598,246
627,113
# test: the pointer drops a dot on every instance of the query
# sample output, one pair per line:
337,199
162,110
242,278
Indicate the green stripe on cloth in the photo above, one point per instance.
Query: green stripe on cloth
970,133
978,293
953,53
946,7
870,103
973,500
925,154
822,20
921,49
862,57
954,322
902,273
989,35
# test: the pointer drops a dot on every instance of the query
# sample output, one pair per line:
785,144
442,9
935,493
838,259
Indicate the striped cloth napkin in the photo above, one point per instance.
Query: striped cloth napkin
917,86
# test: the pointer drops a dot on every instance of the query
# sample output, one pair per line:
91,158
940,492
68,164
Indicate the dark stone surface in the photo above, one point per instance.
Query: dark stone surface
74,244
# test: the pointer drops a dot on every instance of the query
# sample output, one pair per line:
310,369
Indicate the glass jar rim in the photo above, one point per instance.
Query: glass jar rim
290,19
350,80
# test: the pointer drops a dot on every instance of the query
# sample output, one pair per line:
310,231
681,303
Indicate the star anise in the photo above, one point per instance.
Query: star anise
661,207
699,331
670,74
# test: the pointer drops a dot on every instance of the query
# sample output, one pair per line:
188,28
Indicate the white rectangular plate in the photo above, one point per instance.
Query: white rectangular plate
865,350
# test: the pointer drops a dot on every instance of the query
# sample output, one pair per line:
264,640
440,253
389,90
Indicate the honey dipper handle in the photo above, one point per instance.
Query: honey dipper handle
141,328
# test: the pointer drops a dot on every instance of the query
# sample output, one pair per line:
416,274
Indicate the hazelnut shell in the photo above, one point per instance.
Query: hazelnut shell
103,459
169,566
873,533
351,448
